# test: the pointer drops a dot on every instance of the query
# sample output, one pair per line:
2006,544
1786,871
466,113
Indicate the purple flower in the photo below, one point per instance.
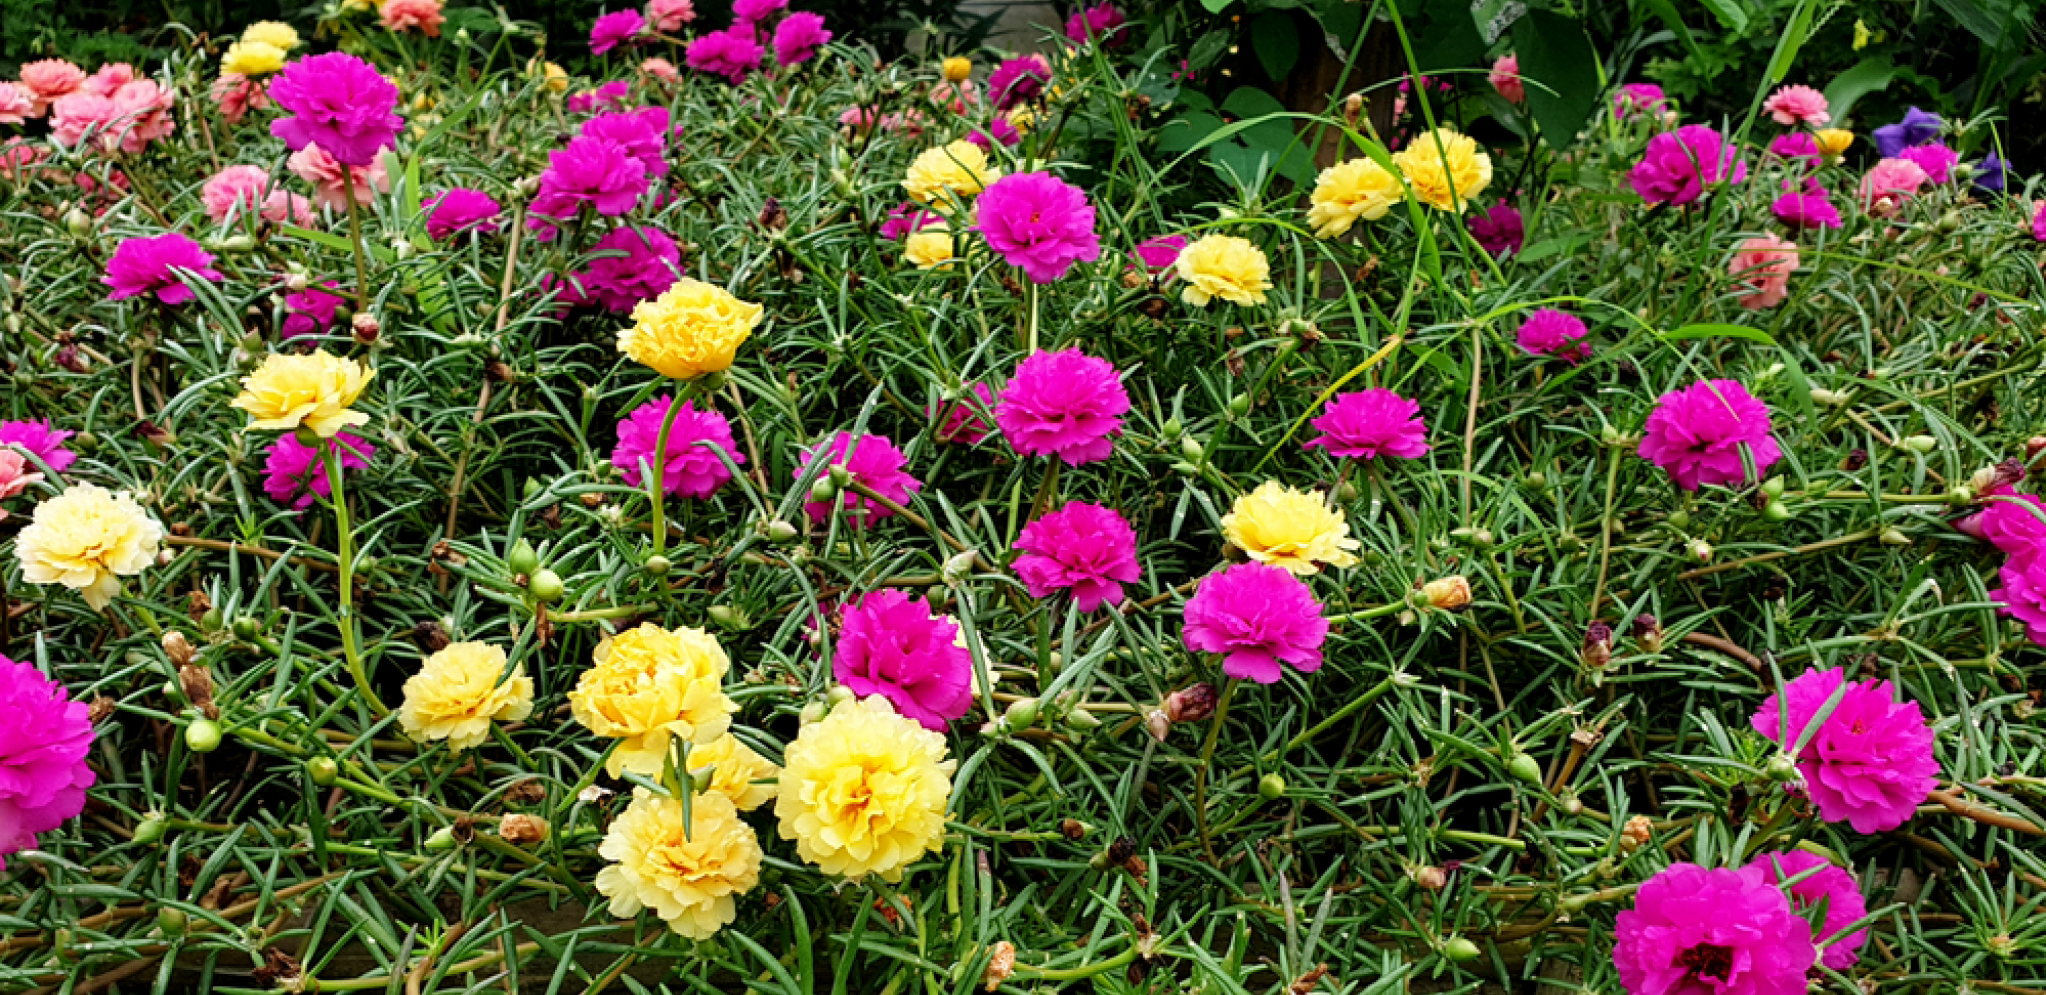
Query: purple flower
907,219
962,422
892,645
1637,97
1678,164
873,461
731,53
614,29
1038,223
142,266
755,11
1936,159
2023,594
1101,21
39,439
1259,617
1917,128
798,37
633,265
1083,548
44,738
1699,434
1371,423
642,133
1018,81
1870,763
1806,209
1694,931
1065,404
1499,229
692,470
340,103
1797,145
1160,254
1832,886
998,132
1992,174
310,311
294,474
593,171
610,94
1549,332
461,209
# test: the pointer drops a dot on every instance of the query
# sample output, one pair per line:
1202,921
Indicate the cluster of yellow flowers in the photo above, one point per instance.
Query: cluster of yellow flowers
1444,169
692,329
959,169
261,50
1287,528
649,686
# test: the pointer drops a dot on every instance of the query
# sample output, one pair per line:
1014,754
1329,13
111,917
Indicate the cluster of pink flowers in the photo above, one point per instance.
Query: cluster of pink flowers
1038,223
1065,404
1869,763
334,183
738,51
158,266
873,462
892,645
113,108
1638,97
44,738
244,191
1020,80
294,474
458,210
692,469
1371,423
1708,433
1083,548
610,163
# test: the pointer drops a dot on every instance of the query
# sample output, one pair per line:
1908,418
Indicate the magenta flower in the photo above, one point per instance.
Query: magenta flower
620,27
1063,404
461,209
1160,254
998,132
1699,434
731,53
1797,145
1694,931
1038,223
1549,332
962,422
310,311
39,439
907,219
338,102
1371,423
1637,97
798,38
593,171
1499,229
2023,593
1258,616
1678,164
294,474
692,470
1833,886
2015,526
44,737
2039,223
756,11
873,461
642,133
158,265
1870,763
891,645
1018,81
1083,548
1936,159
612,94
1100,21
631,265
1802,211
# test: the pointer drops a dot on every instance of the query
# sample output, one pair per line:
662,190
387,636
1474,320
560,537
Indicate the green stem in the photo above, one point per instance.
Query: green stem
355,236
1207,760
330,454
1360,702
1605,531
655,485
1077,973
1030,343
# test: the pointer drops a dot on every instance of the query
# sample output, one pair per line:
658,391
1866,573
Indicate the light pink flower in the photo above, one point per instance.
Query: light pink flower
1505,78
403,15
1888,184
235,190
49,79
1765,265
17,103
126,118
668,16
1794,105
236,95
661,69
16,474
334,183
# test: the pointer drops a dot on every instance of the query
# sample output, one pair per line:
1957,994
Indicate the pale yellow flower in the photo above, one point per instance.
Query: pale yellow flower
556,77
692,329
931,248
1468,171
1224,266
735,771
650,686
277,33
688,871
957,69
1296,530
252,58
311,389
863,791
1833,141
1349,192
456,694
960,168
87,539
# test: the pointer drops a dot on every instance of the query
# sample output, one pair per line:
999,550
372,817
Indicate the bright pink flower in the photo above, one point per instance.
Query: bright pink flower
2015,525
1678,164
1699,434
907,219
237,95
1549,332
1499,229
310,311
1795,105
1888,184
44,739
235,190
873,461
1806,209
731,53
334,183
1870,764
1367,424
1065,404
1258,616
1100,21
17,103
756,11
1832,886
1505,78
998,132
692,470
668,16
1637,97
617,28
1694,931
602,174
2039,223
892,645
1084,548
49,79
294,474
2023,593
643,133
632,265
798,37
158,265
1018,81
16,474
458,210
338,102
962,422
1935,159
402,15
39,439
612,94
1159,254
1765,265
1797,145
1038,223
661,69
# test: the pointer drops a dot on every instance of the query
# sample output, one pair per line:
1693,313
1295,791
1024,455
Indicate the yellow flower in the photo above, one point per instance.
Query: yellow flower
557,77
1469,172
650,685
958,69
930,248
313,390
1348,192
87,539
692,329
1833,141
1862,35
252,58
961,168
1021,118
689,878
277,33
1296,530
456,693
734,771
1224,266
863,791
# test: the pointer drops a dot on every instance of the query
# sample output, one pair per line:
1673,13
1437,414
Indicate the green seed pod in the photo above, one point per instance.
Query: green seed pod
1171,429
522,559
1239,405
1960,496
1776,511
1781,767
1022,713
172,921
85,442
1920,444
814,712
1460,950
840,475
210,622
658,566
246,627
149,831
202,736
442,840
545,586
1525,768
1773,487
532,488
1346,493
728,617
1271,787
323,771
1190,448
838,695
1535,480
1082,720
779,531
77,222
823,490
1679,519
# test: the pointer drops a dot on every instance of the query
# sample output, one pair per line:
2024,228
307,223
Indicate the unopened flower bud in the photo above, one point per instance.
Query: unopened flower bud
838,695
1022,713
658,566
202,736
522,559
1776,511
322,771
366,327
522,830
1452,593
1353,109
729,617
1920,444
1648,632
442,840
823,490
1191,704
1893,536
77,222
958,567
1700,550
1460,950
1598,646
1190,447
172,921
1428,877
1081,720
545,586
1271,787
1158,724
779,531
1525,768
1781,767
814,712
1239,405
150,829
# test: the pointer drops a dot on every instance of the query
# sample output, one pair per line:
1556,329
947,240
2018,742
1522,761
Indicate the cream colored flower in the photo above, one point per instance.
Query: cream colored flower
1296,530
1349,192
735,771
1224,266
457,693
863,791
692,329
692,878
960,168
312,389
650,686
1468,171
87,539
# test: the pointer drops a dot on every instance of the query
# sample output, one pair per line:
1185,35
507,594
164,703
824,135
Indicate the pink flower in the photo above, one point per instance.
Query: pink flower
632,265
907,219
334,183
594,171
2023,593
17,155
237,95
1258,616
157,265
2014,525
458,210
15,476
1505,78
756,11
44,739
963,423
1637,97
1159,254
39,439
873,461
1764,264
1678,164
1870,763
49,79
338,102
115,109
17,103
661,69
108,79
798,37
643,133
1549,332
1101,21
294,474
310,311
1832,886
998,132
668,16
617,28
891,644
610,94
1704,433
731,53
1794,105
1797,145
401,15
692,469
957,96
1694,931
1018,81
1935,159
284,207
1065,404
1888,184
1038,223
1085,548
1801,211
1371,423
2039,223
1499,229
235,189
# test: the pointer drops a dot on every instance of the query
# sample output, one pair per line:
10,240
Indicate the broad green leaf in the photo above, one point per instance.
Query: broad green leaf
1731,16
1561,70
1215,6
1793,39
1861,79
1276,41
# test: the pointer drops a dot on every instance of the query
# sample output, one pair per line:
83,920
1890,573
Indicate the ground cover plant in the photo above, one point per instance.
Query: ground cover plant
763,517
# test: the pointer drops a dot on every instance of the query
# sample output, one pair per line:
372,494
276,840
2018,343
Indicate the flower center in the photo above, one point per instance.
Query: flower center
1708,960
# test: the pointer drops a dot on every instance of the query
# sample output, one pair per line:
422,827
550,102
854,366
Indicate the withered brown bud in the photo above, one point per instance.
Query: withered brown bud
772,216
178,648
522,830
197,683
101,708
1192,704
197,604
1353,109
2009,472
1133,280
592,499
464,830
1001,963
1120,851
1074,829
527,792
1635,833
499,371
1448,593
1856,459
149,431
1428,877
1158,724
430,636
1598,645
67,358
